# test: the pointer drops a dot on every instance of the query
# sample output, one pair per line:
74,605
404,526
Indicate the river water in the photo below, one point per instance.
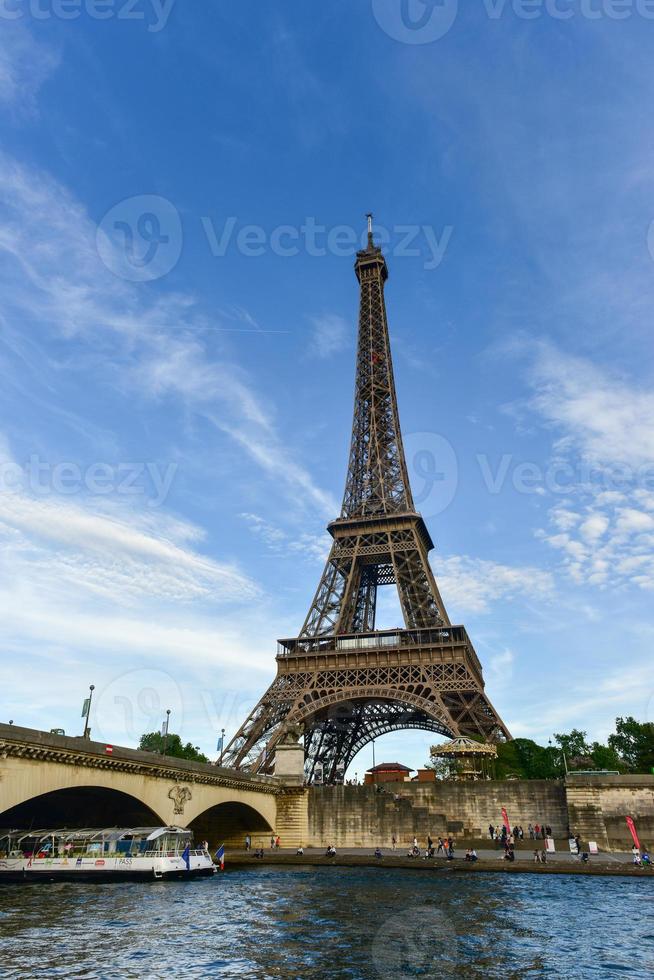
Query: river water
332,923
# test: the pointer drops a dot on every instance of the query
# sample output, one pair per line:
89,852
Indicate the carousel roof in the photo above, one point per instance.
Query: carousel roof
463,746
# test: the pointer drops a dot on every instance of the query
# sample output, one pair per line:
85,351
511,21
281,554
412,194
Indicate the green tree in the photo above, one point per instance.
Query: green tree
573,744
154,742
634,743
604,757
523,758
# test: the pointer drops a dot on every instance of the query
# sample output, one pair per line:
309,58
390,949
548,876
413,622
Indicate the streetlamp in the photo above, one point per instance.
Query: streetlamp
166,723
86,712
565,761
222,746
374,774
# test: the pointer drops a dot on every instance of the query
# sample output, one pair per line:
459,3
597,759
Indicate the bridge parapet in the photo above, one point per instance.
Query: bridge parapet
28,743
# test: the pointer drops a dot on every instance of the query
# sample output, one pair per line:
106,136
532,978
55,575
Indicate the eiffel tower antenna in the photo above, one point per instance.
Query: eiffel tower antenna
341,680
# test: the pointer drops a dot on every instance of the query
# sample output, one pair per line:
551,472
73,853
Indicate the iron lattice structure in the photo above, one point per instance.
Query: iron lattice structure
343,682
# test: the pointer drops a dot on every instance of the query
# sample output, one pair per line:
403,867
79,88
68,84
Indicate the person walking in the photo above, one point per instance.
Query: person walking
491,831
393,842
248,842
530,830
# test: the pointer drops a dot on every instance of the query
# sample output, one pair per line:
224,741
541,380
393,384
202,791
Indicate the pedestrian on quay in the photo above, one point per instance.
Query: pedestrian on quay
491,831
272,842
521,833
537,830
248,842
440,849
300,851
430,843
450,849
636,855
548,831
277,842
393,842
530,830
577,843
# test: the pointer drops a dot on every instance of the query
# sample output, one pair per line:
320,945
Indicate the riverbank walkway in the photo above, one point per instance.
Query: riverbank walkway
489,859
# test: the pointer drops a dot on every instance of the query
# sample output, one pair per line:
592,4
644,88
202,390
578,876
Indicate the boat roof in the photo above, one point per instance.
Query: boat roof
93,833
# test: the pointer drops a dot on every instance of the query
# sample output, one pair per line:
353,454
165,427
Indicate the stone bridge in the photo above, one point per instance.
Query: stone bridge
53,780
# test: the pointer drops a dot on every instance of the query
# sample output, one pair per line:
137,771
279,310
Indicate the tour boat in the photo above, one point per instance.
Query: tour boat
128,854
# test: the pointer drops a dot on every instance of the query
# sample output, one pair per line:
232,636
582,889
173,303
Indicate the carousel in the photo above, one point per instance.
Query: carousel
466,759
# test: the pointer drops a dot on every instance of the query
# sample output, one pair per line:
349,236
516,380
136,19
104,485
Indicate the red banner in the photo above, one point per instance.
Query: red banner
632,828
505,820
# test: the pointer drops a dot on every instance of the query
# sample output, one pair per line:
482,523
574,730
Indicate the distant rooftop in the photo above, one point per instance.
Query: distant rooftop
390,767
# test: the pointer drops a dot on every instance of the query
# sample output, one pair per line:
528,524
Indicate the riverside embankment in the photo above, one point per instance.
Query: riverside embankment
488,861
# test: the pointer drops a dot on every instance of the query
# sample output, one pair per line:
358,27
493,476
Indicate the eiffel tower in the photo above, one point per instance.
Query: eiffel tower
341,682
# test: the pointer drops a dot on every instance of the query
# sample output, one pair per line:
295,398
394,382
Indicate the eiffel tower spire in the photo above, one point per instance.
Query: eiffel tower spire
342,680
377,479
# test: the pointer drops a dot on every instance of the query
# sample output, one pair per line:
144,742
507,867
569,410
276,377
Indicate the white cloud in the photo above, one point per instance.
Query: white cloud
615,547
331,334
313,547
473,585
54,279
24,65
606,418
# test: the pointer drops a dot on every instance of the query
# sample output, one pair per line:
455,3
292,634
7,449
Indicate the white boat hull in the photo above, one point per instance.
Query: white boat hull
108,868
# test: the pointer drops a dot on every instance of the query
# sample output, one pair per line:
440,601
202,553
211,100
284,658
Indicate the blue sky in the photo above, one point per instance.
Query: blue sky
180,192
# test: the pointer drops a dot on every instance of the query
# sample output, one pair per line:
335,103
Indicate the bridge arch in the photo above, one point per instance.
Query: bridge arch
341,724
80,806
229,822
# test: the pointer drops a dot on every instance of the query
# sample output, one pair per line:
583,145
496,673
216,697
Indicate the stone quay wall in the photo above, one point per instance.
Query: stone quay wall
359,816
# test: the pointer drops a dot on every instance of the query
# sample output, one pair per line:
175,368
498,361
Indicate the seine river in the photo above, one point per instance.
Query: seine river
332,923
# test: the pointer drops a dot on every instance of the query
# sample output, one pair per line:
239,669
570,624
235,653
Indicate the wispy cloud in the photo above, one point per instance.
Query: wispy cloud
55,280
330,335
24,66
603,416
474,585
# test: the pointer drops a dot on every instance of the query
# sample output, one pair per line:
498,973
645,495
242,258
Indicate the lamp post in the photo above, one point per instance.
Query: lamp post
86,711
374,774
166,723
565,761
222,746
